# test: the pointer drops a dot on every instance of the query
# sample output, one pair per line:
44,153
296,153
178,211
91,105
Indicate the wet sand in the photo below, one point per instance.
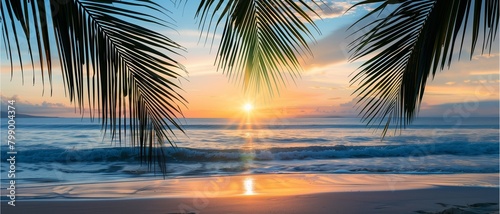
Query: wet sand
276,193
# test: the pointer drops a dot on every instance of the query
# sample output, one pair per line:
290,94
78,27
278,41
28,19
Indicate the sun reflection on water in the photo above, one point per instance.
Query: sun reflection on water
248,186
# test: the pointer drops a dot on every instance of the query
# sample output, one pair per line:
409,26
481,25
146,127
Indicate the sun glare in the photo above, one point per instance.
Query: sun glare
248,185
248,107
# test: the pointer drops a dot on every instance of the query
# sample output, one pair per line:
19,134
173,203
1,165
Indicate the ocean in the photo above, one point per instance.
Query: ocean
53,151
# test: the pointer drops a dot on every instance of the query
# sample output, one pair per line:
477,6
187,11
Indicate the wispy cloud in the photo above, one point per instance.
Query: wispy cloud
331,49
330,9
478,73
194,39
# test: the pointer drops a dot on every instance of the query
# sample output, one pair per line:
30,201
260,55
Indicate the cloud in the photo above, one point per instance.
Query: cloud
494,54
194,39
331,49
472,108
330,9
42,109
334,48
340,110
479,73
324,88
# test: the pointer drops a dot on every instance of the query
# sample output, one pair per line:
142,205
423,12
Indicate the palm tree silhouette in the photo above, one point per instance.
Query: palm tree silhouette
415,40
123,71
126,75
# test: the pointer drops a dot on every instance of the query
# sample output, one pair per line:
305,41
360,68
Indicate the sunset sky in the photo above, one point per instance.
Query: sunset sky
469,88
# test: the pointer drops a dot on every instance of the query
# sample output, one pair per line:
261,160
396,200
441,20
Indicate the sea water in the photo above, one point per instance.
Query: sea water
53,151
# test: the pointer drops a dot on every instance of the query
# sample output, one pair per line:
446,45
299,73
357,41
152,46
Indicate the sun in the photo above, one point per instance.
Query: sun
248,107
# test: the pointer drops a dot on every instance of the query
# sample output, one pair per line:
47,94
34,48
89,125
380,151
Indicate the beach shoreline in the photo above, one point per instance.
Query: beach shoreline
432,200
269,193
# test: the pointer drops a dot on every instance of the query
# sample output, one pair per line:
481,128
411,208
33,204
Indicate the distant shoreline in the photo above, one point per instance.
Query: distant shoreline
4,114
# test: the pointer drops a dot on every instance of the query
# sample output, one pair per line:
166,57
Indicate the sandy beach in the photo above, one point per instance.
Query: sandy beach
278,193
474,200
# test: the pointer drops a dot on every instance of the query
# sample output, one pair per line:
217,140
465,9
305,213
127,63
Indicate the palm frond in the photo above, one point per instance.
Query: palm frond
261,39
413,42
123,71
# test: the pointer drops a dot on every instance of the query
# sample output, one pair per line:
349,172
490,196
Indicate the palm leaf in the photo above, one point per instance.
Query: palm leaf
121,70
409,45
261,39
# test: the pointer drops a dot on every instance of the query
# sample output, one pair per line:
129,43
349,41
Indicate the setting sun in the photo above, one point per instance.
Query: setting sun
248,107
